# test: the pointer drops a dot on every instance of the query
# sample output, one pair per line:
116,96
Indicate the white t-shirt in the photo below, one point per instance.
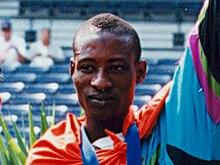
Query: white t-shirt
106,142
8,55
48,54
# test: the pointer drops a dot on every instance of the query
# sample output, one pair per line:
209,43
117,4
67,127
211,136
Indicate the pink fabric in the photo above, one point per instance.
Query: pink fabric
212,102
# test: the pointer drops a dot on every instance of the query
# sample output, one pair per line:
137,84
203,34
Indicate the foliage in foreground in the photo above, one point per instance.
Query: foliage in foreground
15,153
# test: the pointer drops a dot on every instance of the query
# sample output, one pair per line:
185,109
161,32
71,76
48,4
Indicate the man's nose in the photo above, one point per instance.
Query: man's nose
101,80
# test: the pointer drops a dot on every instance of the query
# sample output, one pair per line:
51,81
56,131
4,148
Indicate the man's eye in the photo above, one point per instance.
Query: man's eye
87,68
118,68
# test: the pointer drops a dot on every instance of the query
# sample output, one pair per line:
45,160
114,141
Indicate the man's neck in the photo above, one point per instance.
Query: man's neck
96,129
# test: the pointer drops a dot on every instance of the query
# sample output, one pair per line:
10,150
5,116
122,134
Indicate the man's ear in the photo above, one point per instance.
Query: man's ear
72,66
141,71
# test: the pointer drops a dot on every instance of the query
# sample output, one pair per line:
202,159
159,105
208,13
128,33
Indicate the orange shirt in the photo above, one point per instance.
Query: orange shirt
61,143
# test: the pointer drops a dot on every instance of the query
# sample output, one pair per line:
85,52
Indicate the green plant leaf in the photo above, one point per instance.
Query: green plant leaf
3,152
13,156
18,136
44,124
11,142
82,112
32,134
53,115
23,128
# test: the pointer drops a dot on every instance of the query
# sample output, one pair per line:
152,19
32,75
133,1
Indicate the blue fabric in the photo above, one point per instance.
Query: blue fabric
150,145
134,147
87,150
133,150
186,123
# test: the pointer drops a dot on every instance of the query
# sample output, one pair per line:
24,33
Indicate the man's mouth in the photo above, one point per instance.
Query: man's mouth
101,100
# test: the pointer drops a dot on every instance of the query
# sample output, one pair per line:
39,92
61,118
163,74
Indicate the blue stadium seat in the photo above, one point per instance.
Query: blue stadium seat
76,110
6,96
26,68
60,78
64,89
12,87
62,99
139,101
157,79
60,68
47,88
32,98
16,109
168,61
162,69
26,131
8,69
20,77
9,118
149,89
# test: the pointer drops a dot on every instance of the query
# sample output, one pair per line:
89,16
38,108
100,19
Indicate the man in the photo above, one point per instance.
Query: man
12,47
105,69
189,128
43,53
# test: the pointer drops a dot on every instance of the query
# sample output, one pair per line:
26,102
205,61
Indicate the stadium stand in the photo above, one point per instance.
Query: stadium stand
25,84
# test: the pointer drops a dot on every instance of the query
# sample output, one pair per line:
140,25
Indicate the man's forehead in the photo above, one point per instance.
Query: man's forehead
91,37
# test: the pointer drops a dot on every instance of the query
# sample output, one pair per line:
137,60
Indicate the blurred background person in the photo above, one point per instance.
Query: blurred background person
43,53
12,47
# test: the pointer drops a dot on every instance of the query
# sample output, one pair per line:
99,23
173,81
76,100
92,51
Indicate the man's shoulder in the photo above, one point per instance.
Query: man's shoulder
59,142
1,39
16,38
68,127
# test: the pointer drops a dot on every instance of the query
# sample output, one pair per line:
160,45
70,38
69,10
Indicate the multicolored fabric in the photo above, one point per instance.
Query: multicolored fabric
188,131
205,47
61,143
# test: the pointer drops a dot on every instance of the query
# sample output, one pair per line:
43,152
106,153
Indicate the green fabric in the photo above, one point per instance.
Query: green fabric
155,157
212,82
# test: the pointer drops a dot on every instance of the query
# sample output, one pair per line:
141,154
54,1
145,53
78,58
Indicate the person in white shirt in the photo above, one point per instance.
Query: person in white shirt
12,47
43,53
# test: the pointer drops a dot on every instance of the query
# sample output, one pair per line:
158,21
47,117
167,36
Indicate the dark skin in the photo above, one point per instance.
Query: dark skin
105,72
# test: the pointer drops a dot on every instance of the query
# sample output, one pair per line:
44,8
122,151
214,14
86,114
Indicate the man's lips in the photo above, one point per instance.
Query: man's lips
101,99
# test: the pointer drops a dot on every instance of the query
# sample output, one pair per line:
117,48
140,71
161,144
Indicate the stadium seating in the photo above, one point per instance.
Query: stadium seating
25,84
32,85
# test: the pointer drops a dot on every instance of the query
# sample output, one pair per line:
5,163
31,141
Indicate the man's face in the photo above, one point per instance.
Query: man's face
6,34
45,37
105,71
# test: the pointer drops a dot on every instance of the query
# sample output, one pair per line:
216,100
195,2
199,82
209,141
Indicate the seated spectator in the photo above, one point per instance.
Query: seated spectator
12,48
44,50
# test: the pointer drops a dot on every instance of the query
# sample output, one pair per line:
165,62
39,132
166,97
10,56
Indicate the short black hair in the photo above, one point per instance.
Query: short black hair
107,22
